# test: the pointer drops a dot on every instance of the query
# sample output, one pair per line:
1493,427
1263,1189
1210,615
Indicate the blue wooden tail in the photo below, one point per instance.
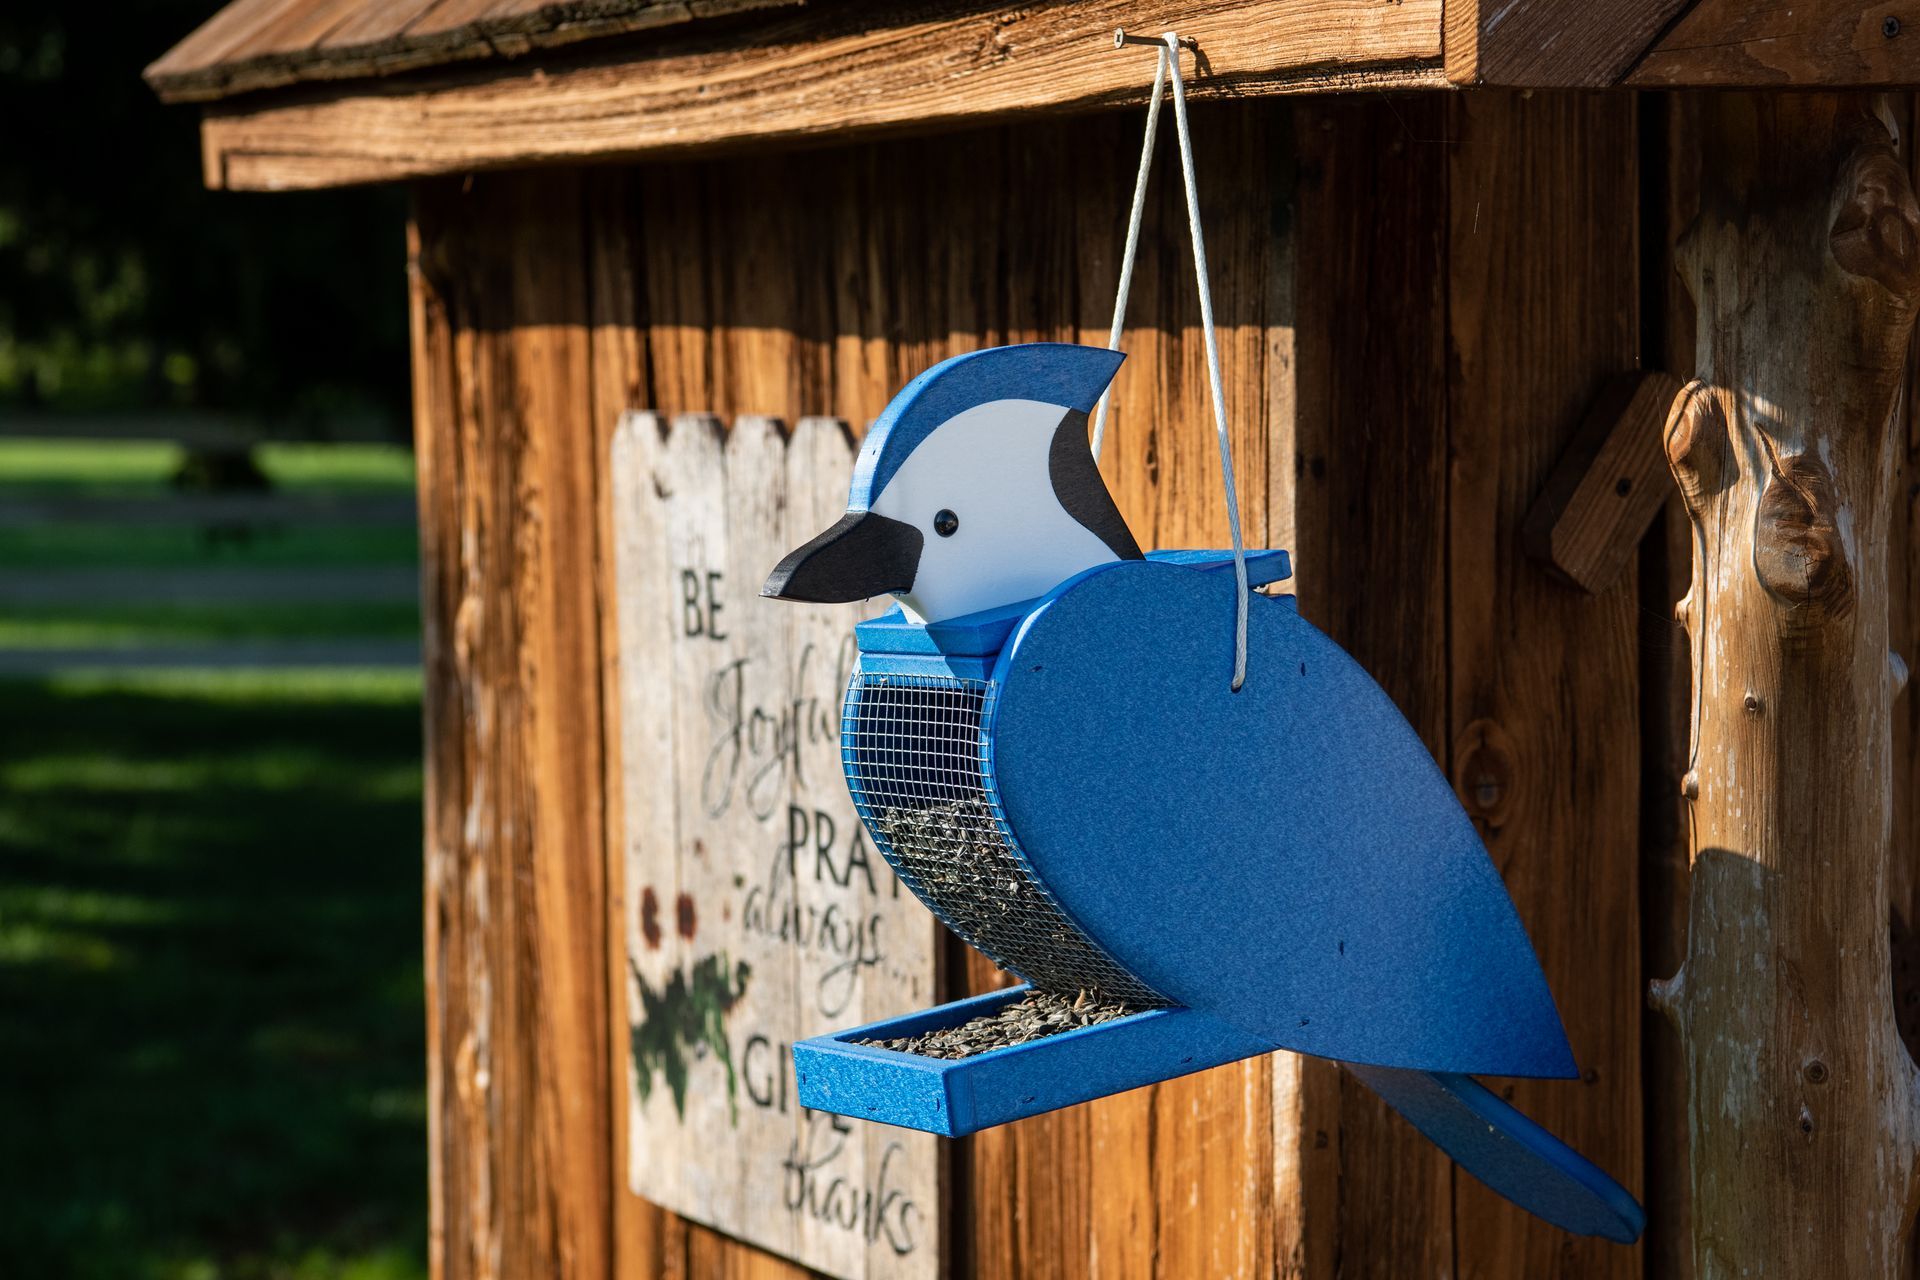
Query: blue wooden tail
1510,1153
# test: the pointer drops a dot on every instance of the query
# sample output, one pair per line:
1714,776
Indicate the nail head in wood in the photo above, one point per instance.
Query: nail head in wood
1607,487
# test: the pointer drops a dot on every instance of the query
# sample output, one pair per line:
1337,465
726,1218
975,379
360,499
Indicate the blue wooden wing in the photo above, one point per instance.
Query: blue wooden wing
1510,1153
1287,858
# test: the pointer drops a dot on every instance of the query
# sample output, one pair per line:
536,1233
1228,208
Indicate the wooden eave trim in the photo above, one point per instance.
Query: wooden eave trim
1552,44
858,67
1683,44
480,41
1784,44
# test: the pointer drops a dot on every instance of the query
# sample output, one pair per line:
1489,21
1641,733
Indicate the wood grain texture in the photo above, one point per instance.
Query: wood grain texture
1544,713
1546,44
855,66
1361,480
646,1240
254,45
1785,43
516,935
1609,485
1800,1091
1903,624
1670,168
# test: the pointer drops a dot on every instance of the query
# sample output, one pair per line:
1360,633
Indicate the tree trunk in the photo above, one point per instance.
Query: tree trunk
1805,265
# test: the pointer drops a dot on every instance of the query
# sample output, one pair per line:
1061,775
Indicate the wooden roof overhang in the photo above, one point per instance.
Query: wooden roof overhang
319,93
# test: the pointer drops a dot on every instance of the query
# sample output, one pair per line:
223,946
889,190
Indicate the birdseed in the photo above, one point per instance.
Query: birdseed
913,754
1035,1017
954,857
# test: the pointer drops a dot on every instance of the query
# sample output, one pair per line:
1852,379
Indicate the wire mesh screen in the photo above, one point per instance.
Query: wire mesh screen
911,745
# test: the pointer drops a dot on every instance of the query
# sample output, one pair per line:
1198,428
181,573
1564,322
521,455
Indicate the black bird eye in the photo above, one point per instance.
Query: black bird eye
945,522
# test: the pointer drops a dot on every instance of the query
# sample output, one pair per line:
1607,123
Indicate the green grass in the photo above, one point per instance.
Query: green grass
338,468
86,466
142,626
211,1053
143,468
211,1008
89,546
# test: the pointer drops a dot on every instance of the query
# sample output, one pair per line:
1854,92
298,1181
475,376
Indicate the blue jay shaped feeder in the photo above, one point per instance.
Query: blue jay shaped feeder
1042,740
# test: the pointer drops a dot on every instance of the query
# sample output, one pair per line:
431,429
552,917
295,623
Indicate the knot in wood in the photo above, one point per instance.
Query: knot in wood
1876,229
1797,549
1486,773
1699,452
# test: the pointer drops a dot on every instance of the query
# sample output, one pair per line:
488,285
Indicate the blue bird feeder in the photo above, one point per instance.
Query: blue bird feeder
1044,741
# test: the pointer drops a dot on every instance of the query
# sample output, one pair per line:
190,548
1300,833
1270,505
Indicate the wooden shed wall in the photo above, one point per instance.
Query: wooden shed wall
1418,297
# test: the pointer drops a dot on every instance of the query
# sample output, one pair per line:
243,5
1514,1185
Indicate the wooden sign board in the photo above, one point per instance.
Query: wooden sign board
757,912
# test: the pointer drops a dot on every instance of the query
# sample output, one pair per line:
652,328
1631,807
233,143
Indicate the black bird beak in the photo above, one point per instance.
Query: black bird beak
864,555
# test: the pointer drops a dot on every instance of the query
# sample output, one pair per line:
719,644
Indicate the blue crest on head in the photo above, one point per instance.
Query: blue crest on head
1051,372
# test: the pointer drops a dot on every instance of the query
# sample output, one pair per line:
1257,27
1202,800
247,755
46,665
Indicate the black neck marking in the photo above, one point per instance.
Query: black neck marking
1077,483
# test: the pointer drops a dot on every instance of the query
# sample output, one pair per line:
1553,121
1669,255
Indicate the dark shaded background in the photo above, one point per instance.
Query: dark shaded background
212,1024
125,285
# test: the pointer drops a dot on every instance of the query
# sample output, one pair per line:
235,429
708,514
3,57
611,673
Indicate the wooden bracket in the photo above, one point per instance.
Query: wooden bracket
1608,486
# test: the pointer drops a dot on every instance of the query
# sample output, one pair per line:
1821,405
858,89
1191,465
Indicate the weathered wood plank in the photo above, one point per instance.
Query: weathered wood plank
1543,289
647,1241
857,66
297,26
556,480
256,45
450,1003
764,913
1785,43
233,27
1671,167
370,24
1549,44
1365,473
1903,555
515,860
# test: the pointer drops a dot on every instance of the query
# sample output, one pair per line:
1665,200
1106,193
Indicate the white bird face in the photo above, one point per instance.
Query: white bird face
998,504
993,531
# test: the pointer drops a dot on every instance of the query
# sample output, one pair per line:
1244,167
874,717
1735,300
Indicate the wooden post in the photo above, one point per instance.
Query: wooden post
1805,266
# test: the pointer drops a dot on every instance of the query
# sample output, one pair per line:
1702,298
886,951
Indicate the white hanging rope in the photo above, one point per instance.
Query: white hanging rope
1133,242
1170,60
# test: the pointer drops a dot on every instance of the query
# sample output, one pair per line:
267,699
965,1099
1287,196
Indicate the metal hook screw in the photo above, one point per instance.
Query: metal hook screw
1121,40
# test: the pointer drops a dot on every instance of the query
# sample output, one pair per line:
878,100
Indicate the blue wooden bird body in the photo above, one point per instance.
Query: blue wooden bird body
1043,740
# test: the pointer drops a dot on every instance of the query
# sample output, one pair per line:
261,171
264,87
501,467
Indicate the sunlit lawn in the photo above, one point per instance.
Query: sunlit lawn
138,468
211,1016
127,626
42,469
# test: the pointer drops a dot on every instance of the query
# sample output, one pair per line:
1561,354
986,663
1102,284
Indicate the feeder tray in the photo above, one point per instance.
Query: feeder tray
958,1096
